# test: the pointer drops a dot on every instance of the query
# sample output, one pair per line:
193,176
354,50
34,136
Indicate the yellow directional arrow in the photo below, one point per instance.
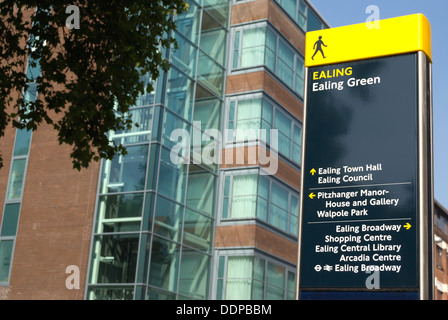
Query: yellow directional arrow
312,195
313,171
407,226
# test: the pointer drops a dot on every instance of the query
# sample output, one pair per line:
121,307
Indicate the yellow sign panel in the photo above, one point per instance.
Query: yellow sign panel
363,41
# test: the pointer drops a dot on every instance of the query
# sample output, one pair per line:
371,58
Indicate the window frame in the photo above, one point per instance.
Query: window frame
298,14
236,52
233,101
225,218
221,270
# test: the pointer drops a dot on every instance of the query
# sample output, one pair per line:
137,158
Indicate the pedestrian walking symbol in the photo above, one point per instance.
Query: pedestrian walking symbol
318,46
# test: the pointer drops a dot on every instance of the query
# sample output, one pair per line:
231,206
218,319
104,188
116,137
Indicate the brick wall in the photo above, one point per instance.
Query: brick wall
55,221
253,236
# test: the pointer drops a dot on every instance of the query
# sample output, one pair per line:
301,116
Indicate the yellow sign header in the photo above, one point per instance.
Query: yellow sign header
363,41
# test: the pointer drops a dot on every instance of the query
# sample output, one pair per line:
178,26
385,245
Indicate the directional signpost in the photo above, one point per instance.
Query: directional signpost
366,200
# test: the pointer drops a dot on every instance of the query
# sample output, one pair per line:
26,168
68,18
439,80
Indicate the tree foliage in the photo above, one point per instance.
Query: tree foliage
89,76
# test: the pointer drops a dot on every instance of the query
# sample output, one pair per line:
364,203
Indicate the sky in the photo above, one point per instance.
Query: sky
345,12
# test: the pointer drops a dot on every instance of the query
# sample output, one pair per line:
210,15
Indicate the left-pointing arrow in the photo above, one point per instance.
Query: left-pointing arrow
312,195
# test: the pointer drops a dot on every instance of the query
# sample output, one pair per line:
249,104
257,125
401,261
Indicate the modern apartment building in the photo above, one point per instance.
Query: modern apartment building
216,221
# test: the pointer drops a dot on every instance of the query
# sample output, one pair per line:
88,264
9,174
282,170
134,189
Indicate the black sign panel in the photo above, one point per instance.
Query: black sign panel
359,210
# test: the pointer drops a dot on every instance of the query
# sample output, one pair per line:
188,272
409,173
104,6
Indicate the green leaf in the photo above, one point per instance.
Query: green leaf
85,72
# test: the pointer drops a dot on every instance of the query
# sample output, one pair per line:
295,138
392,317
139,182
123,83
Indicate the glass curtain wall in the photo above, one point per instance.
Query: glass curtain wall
154,221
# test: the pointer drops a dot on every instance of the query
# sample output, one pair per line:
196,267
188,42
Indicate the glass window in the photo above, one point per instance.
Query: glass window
119,213
239,276
220,279
157,123
285,67
297,145
250,196
302,16
201,190
207,112
262,46
225,208
266,121
114,258
147,97
198,230
314,23
187,22
300,74
6,247
22,144
253,278
161,88
141,133
148,212
168,219
16,179
10,220
30,95
263,198
275,282
290,6
163,272
194,274
143,260
271,50
173,177
258,282
153,168
283,124
252,50
248,119
291,286
213,38
244,196
210,74
279,207
219,9
236,49
180,93
33,69
185,56
173,122
126,173
294,217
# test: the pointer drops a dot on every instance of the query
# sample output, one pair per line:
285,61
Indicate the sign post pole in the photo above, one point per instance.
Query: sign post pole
365,229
